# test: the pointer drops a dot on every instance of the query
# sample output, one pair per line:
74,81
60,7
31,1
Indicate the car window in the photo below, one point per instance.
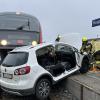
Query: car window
64,48
44,50
15,59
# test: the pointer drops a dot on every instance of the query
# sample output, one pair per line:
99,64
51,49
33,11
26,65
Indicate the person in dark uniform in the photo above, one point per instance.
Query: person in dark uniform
58,38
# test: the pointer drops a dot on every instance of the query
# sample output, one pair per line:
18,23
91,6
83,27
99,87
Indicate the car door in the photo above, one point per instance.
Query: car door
79,57
67,55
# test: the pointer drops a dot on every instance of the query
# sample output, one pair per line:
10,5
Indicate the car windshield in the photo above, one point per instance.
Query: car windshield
15,59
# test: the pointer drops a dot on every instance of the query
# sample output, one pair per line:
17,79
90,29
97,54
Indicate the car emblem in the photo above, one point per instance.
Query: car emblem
5,70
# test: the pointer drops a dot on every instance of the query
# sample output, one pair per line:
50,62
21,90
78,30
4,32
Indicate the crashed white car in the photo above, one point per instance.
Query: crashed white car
32,70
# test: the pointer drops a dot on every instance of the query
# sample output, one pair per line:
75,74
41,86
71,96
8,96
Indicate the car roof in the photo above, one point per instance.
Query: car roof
30,47
34,48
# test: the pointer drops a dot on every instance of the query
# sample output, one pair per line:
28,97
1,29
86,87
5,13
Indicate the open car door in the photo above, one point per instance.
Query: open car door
66,55
79,57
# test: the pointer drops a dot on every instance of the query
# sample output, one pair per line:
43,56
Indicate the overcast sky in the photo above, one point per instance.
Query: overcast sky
59,16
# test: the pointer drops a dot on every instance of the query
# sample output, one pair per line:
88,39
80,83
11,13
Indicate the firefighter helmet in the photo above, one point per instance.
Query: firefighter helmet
84,39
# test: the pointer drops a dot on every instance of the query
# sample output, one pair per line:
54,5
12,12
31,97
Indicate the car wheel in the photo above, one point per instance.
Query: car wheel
43,88
85,66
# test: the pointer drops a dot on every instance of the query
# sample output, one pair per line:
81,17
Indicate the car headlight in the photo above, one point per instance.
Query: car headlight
34,43
4,42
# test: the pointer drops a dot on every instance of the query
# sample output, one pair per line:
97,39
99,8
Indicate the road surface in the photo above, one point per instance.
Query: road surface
58,92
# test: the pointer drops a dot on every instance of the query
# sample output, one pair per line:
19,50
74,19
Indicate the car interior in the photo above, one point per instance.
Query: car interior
56,59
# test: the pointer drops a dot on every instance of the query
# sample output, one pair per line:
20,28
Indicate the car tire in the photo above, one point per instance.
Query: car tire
85,66
43,88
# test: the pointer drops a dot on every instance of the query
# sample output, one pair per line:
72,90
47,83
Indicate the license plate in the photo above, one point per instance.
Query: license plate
6,75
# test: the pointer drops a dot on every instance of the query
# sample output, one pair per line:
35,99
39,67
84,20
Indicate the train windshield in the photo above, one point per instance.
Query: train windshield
15,27
14,24
19,22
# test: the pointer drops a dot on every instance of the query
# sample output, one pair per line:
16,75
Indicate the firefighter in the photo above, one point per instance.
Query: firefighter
58,38
86,47
96,55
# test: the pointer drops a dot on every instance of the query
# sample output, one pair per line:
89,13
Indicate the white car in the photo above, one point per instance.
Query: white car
32,70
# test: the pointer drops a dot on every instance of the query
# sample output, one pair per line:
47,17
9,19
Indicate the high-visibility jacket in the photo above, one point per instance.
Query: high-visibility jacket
86,47
96,52
95,46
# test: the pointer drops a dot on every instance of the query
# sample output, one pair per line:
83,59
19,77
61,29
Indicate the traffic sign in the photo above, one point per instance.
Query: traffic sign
96,22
